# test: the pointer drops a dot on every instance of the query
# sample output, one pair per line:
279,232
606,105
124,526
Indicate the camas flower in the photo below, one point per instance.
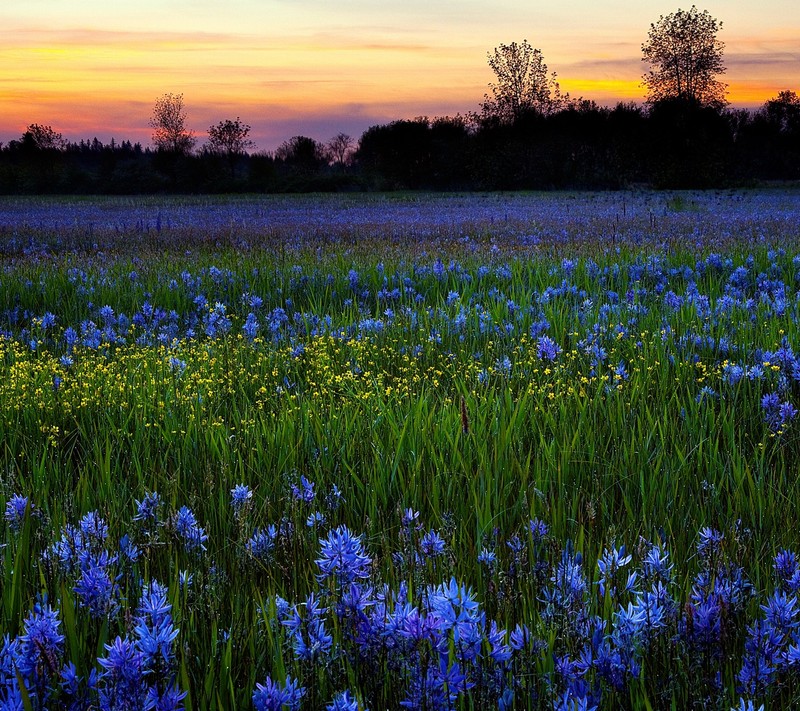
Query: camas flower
343,702
262,543
187,528
14,514
432,544
343,557
147,510
241,496
547,349
270,696
121,683
40,648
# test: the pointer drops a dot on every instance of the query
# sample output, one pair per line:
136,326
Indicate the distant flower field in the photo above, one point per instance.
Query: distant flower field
423,452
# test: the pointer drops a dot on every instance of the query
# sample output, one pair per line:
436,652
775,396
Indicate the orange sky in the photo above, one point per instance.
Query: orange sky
312,67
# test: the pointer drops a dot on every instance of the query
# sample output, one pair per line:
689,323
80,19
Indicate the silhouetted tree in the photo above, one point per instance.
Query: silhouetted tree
784,111
770,141
41,151
303,153
43,138
340,148
230,140
685,57
169,125
299,164
523,84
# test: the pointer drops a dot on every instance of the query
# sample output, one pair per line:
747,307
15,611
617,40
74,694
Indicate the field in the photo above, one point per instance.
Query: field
412,451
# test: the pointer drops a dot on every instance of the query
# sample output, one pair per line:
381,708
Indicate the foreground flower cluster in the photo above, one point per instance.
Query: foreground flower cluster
548,633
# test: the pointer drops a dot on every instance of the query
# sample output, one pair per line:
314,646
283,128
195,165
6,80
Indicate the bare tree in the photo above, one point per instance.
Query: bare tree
685,58
340,148
523,84
169,125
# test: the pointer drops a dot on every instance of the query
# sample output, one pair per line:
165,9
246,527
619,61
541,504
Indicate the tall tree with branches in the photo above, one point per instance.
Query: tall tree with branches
169,125
522,84
231,140
685,59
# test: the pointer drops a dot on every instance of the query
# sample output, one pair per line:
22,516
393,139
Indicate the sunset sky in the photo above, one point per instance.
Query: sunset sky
316,67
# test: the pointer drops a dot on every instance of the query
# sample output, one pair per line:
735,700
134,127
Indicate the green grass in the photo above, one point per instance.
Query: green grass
602,461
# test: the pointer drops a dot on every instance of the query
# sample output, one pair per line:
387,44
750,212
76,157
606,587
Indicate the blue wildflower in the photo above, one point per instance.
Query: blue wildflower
305,492
432,544
40,648
262,543
14,514
270,696
147,510
343,702
241,498
186,526
121,683
547,349
95,587
342,556
777,414
250,326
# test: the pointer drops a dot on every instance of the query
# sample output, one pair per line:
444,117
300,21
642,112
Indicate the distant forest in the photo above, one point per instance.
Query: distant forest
667,145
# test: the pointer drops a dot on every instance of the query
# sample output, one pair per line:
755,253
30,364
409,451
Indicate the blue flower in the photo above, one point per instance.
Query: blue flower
788,570
250,326
147,510
342,556
500,651
14,514
121,683
48,321
777,414
547,349
304,492
40,648
216,322
610,562
710,542
488,558
270,696
539,530
241,496
262,543
780,612
343,702
310,639
95,588
187,528
315,519
747,705
432,544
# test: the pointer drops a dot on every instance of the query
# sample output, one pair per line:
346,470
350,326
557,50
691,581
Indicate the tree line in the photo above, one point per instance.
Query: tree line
527,134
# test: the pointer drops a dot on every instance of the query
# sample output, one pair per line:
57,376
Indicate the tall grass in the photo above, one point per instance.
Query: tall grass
405,382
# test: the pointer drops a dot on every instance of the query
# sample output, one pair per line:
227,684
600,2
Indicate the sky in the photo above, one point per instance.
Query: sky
94,68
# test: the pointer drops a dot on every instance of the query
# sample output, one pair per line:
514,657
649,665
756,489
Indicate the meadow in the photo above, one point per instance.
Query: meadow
412,451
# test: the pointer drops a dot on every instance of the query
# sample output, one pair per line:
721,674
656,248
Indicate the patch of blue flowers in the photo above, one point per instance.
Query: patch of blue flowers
582,639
